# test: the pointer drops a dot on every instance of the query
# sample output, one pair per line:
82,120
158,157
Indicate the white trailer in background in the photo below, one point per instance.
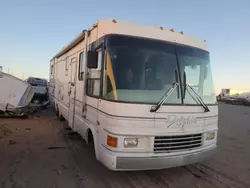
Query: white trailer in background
144,96
15,94
225,92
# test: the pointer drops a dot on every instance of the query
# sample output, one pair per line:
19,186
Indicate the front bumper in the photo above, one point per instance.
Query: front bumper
121,163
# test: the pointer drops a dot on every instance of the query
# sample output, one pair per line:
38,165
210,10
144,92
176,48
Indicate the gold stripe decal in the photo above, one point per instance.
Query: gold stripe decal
111,75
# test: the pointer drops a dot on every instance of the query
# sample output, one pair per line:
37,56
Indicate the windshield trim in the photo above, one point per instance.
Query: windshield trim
150,103
152,39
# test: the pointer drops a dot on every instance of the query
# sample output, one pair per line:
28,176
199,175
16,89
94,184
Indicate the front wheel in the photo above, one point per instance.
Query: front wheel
91,143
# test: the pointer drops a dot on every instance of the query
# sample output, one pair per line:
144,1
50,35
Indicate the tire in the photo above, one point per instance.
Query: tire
57,113
60,116
91,143
56,110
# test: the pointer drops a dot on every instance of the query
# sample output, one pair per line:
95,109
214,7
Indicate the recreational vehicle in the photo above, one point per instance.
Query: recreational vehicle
142,96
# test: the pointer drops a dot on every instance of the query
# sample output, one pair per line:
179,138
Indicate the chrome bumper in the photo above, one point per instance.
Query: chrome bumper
150,163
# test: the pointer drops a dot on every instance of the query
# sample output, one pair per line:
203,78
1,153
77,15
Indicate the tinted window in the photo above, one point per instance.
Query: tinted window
66,65
81,66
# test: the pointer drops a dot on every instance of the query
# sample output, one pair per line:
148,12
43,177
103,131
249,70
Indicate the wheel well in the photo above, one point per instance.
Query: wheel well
90,137
56,106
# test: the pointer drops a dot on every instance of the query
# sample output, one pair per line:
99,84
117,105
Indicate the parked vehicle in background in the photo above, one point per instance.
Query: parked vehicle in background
236,99
15,95
41,89
142,96
239,99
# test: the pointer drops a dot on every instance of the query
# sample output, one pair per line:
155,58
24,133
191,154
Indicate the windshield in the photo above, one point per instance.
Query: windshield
195,63
141,70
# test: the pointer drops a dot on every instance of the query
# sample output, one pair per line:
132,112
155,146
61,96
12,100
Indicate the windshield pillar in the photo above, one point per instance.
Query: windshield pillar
180,77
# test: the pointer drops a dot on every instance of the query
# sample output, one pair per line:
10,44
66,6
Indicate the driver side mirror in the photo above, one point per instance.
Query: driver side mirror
92,59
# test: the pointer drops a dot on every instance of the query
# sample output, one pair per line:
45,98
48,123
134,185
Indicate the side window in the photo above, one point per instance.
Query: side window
73,71
93,87
94,79
66,65
81,66
99,60
51,69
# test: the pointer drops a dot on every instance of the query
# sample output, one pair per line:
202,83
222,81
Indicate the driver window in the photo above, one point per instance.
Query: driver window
93,82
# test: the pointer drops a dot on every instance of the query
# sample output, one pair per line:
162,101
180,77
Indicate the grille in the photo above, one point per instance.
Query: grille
177,143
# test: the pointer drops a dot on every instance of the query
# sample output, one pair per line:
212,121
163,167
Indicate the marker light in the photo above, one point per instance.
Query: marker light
172,30
112,141
182,33
161,28
114,21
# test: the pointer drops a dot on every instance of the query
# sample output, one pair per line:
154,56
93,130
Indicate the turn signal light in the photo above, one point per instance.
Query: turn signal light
112,141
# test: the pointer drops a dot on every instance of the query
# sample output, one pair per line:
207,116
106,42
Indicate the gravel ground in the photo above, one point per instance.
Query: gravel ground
39,152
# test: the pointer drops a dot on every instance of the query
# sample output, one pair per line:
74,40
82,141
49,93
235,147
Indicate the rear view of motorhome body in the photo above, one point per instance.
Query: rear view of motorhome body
144,96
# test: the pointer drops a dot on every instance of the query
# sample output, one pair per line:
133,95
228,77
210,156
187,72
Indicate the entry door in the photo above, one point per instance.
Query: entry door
72,93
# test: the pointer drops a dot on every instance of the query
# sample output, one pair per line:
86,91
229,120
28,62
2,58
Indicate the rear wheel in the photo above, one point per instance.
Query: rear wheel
60,116
57,112
56,109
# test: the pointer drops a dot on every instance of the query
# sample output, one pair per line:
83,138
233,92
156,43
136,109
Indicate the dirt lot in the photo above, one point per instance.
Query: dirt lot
38,152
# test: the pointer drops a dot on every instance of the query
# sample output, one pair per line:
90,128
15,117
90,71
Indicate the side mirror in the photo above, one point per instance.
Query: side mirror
92,59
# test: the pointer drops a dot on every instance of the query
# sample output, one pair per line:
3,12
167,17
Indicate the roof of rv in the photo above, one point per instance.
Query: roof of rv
126,28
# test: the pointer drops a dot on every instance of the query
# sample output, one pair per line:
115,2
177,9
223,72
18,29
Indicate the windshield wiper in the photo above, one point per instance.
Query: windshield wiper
198,98
164,97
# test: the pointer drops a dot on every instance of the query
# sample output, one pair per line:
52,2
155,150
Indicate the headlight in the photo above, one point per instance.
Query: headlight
210,135
130,142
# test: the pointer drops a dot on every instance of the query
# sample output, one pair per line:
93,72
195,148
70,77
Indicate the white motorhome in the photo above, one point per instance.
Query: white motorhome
143,96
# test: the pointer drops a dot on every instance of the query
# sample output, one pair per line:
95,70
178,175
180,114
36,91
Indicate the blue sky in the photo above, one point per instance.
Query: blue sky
31,32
